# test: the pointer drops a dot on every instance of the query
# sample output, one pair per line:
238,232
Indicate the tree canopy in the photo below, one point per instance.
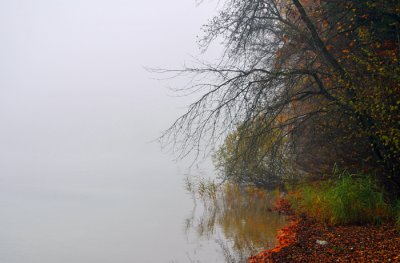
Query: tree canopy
317,79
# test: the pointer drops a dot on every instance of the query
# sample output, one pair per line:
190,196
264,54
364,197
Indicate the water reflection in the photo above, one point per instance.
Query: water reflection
240,220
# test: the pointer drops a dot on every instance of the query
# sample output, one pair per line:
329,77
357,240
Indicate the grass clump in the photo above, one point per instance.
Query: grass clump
202,187
350,199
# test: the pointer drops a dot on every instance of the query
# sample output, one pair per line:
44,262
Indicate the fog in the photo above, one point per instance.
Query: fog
81,179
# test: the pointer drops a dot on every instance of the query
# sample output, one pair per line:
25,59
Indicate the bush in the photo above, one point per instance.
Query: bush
248,157
350,199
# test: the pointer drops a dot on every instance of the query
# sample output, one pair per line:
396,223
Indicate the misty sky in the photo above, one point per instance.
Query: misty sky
72,76
79,180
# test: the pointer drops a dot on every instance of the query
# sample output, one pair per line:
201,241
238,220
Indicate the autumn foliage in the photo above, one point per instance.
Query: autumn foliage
328,94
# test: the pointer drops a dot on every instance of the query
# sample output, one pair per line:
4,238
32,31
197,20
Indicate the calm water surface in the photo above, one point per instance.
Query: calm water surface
93,211
238,220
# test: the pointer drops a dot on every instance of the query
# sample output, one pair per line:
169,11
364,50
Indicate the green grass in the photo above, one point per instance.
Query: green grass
350,199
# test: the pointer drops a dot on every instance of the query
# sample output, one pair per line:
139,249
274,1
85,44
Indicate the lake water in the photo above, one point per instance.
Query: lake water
93,210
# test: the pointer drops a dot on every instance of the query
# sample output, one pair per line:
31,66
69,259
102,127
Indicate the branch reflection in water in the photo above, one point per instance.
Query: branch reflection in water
239,219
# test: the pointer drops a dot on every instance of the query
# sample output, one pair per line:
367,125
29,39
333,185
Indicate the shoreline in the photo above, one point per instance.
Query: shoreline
305,240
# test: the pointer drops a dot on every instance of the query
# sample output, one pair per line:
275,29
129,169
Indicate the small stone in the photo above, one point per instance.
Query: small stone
322,242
